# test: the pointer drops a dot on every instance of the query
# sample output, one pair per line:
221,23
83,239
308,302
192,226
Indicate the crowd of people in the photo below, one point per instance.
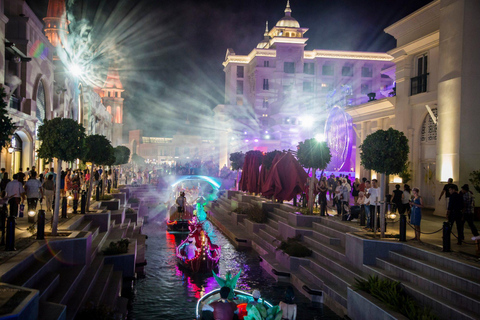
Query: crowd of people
34,188
366,196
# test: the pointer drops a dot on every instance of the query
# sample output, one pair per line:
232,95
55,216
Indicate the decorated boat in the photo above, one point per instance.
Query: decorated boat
241,298
197,253
180,221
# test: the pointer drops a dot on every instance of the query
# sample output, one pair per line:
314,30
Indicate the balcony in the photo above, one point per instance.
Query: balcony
14,103
418,84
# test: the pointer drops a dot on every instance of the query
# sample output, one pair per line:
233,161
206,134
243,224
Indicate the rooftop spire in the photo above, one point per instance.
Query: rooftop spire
288,10
266,28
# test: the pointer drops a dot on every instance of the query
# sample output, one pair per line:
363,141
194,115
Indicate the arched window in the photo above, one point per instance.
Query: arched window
429,128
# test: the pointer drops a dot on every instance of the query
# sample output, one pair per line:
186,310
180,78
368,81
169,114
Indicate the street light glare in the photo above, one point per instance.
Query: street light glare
307,121
76,70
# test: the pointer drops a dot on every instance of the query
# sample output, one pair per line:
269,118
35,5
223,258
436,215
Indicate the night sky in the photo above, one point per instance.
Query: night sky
170,53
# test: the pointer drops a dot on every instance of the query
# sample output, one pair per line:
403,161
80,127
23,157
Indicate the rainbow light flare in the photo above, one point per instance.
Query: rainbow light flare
38,50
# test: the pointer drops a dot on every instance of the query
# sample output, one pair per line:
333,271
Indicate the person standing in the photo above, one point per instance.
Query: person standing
468,205
406,196
322,196
34,191
366,204
454,212
374,196
4,181
289,309
2,171
15,194
446,191
331,188
346,189
49,190
416,215
21,176
355,190
397,198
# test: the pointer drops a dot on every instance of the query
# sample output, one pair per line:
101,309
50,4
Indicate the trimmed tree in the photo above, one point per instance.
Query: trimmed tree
236,161
7,128
98,151
386,152
63,139
316,155
122,155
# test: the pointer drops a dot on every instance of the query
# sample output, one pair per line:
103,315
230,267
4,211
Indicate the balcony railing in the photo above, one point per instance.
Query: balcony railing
418,84
14,103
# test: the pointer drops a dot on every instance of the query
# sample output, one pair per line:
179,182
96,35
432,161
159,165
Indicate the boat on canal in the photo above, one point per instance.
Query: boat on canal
242,299
197,253
179,222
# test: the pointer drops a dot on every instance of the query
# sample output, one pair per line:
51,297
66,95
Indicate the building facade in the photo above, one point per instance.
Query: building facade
38,85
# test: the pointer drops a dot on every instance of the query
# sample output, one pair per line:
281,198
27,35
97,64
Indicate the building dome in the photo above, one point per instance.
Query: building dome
288,21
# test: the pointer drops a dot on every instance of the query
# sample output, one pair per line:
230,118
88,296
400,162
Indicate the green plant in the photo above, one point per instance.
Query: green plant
236,160
256,214
293,247
133,200
475,179
6,124
118,247
306,211
122,155
268,158
392,294
32,228
64,139
313,154
241,210
106,197
406,173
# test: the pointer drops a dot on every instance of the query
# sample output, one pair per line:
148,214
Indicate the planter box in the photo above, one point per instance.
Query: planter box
253,227
123,262
126,191
120,196
134,205
362,306
113,204
25,309
289,262
100,219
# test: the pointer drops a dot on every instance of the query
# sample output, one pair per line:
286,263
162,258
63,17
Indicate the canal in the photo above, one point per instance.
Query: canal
166,292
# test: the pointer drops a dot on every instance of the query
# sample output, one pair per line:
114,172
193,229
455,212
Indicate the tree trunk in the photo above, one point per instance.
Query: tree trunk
383,184
311,198
90,188
238,180
57,198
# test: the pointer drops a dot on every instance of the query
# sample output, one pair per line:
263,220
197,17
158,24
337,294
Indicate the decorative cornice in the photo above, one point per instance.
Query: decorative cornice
372,109
426,42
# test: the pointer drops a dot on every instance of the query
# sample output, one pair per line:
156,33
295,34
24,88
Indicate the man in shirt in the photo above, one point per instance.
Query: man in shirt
367,203
34,190
2,171
375,195
15,193
21,176
222,309
468,204
446,191
454,212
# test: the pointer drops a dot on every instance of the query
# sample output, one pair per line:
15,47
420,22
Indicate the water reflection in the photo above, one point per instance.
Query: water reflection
168,292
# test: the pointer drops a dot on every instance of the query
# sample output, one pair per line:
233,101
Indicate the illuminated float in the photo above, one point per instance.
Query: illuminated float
180,221
197,253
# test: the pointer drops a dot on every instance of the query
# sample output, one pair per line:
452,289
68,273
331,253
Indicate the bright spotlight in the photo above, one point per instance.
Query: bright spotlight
307,121
267,136
76,70
320,137
31,213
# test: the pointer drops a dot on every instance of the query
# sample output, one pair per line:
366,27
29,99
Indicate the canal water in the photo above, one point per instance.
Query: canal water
167,292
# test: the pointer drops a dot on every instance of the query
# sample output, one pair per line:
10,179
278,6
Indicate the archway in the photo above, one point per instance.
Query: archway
427,165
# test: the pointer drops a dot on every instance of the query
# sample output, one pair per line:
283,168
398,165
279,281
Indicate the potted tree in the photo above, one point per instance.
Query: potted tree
386,152
63,139
316,155
236,161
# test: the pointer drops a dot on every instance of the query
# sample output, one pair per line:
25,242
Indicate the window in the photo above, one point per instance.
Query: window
266,63
240,70
307,86
418,84
327,70
265,103
365,88
265,84
309,68
118,115
367,72
239,87
347,71
429,128
289,67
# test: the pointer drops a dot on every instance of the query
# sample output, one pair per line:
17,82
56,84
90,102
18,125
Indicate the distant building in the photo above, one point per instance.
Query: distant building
280,93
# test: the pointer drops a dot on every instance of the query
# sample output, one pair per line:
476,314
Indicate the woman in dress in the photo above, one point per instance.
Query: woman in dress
416,215
289,309
355,190
322,196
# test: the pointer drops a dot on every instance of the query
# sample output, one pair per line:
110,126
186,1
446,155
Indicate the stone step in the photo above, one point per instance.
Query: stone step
272,223
85,225
271,230
333,290
306,287
78,299
337,224
335,271
98,291
282,213
130,230
45,262
94,231
434,285
443,308
70,278
270,264
326,238
97,244
276,217
322,249
47,285
51,311
262,240
467,284
114,290
331,232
